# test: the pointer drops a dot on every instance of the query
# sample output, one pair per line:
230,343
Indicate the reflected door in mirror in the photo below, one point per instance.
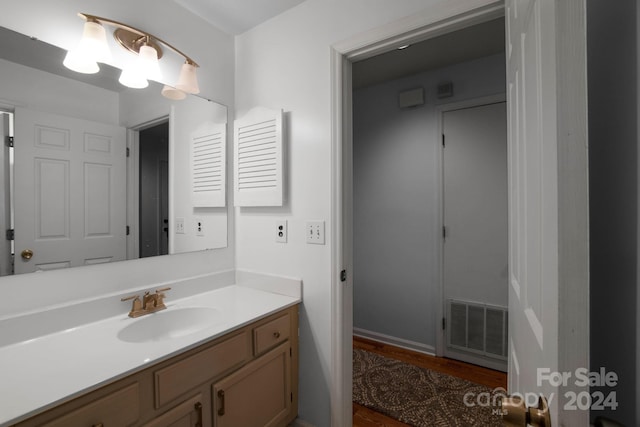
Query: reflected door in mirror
70,191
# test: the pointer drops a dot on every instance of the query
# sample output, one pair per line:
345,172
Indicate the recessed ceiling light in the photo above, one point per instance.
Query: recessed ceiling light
404,47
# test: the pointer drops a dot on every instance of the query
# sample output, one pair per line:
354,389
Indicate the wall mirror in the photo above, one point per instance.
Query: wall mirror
103,205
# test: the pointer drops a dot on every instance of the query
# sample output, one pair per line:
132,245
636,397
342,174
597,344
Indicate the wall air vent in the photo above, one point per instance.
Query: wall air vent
445,90
477,328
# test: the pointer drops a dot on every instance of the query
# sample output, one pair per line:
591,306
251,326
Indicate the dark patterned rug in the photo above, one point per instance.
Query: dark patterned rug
419,396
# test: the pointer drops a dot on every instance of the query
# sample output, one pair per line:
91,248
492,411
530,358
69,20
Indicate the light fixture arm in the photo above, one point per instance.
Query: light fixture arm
144,37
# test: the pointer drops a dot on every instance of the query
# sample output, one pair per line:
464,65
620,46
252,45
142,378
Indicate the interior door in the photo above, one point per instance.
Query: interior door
548,209
475,248
70,192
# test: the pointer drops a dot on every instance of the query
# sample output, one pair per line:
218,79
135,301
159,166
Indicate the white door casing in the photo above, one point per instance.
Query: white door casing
70,191
6,267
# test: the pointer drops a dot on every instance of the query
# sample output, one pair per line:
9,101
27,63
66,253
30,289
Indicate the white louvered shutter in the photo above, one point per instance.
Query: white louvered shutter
208,166
258,158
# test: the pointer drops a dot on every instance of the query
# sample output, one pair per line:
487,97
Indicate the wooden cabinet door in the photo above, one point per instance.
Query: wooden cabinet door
258,395
186,414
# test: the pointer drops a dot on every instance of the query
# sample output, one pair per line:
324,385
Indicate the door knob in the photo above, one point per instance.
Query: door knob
26,254
516,414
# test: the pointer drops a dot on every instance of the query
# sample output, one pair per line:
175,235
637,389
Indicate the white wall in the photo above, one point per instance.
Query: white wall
285,63
396,202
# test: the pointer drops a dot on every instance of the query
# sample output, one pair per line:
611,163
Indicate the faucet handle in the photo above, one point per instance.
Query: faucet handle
136,307
160,298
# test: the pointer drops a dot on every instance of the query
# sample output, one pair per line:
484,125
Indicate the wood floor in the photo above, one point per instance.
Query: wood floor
365,417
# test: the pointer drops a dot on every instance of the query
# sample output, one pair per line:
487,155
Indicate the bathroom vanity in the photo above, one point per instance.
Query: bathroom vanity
226,357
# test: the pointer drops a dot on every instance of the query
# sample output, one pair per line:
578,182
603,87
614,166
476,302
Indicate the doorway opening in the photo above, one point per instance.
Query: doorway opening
154,190
399,102
346,58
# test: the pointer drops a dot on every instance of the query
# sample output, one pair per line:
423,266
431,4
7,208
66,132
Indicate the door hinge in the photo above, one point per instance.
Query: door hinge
443,139
444,323
128,231
11,234
444,232
343,276
290,352
128,152
8,141
291,397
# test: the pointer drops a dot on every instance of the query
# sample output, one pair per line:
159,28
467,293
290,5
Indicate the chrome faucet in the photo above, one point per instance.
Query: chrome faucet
150,303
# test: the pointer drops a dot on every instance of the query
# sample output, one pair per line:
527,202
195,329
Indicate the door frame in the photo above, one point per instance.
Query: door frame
573,179
442,308
439,19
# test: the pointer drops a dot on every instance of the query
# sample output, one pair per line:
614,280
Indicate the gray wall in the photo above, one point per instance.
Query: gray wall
396,208
613,154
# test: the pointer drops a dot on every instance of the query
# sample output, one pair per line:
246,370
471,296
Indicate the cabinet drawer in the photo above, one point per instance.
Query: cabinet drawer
271,334
120,408
188,373
188,413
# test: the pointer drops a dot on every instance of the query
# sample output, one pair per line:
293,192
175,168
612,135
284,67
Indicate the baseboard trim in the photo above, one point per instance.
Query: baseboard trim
395,341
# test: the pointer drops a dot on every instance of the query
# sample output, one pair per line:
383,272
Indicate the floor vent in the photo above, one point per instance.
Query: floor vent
477,328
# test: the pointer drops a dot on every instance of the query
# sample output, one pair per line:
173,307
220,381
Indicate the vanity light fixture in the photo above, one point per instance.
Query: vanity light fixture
93,48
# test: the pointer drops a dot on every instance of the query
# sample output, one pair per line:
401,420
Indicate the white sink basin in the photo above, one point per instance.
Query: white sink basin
168,324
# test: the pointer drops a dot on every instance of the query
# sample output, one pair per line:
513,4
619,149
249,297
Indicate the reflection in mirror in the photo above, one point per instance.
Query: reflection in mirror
101,173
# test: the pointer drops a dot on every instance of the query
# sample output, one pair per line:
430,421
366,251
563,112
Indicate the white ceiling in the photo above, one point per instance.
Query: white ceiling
237,16
452,48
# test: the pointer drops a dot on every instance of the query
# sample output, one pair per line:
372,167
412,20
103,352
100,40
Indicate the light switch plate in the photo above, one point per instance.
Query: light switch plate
179,225
315,232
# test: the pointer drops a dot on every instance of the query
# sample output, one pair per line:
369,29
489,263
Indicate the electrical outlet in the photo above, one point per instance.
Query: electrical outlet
179,225
281,231
315,232
199,228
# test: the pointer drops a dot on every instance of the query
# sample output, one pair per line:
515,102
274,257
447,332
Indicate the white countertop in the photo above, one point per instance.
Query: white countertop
43,372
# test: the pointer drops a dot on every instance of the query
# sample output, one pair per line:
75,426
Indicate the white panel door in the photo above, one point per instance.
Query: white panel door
475,250
475,204
548,256
70,193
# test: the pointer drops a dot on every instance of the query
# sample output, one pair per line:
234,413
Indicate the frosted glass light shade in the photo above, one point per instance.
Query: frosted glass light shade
80,63
148,63
94,42
188,81
133,78
173,93
91,49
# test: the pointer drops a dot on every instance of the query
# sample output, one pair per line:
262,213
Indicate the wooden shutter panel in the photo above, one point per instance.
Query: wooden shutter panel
258,158
208,166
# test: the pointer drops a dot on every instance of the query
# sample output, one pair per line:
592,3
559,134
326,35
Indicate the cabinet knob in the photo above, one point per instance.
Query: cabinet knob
276,334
